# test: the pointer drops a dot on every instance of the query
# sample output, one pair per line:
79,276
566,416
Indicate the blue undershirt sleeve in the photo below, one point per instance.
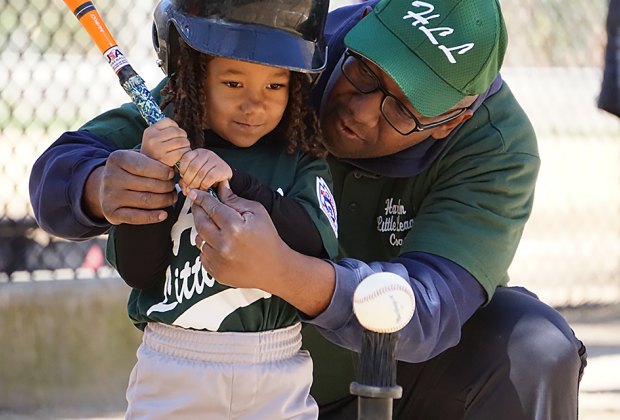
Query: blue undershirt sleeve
446,297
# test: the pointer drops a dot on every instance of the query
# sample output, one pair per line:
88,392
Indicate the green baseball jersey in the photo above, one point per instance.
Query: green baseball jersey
469,206
187,296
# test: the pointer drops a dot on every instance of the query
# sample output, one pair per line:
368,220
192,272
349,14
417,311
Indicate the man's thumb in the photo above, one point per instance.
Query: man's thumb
228,197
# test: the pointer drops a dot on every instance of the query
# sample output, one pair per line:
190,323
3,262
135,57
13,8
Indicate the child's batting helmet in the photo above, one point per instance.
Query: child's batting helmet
281,33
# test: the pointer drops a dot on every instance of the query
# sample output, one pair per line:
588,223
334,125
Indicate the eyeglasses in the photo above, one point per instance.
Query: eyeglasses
360,75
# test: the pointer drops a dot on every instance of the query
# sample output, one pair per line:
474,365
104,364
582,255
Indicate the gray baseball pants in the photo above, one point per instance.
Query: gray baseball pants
188,374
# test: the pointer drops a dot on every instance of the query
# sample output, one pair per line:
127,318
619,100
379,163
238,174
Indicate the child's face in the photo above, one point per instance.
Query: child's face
245,101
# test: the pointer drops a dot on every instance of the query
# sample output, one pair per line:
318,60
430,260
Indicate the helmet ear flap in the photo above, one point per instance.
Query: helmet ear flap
166,47
155,38
174,48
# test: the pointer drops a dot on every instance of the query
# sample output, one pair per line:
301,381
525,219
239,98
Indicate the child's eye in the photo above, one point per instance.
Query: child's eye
275,86
232,84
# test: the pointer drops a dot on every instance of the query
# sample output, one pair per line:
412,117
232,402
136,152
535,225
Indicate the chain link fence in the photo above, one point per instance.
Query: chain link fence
53,78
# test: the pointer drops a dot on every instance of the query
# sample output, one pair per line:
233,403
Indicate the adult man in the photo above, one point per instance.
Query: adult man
434,168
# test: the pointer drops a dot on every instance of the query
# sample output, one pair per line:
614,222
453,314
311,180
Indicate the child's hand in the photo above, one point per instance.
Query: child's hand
201,169
165,141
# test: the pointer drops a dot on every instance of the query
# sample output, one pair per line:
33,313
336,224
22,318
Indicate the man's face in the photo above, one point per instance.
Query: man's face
352,124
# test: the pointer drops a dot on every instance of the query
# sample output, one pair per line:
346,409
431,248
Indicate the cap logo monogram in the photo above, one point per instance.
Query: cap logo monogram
421,18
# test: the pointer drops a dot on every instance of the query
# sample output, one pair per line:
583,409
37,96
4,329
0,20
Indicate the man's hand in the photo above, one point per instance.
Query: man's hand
240,247
239,239
130,188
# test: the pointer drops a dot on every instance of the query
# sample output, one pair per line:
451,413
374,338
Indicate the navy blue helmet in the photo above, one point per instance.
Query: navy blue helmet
280,33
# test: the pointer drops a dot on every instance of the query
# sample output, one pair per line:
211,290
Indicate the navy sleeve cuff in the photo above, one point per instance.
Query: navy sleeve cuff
340,309
81,171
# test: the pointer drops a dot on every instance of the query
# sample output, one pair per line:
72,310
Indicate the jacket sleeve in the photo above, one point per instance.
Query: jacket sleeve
140,253
446,296
59,174
57,182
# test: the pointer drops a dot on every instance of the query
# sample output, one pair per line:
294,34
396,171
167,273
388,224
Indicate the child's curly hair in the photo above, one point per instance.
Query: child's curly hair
299,126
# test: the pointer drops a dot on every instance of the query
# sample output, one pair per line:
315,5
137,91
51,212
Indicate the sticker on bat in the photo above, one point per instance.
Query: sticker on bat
115,58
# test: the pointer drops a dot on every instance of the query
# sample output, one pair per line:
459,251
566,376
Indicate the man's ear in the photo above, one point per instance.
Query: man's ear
444,130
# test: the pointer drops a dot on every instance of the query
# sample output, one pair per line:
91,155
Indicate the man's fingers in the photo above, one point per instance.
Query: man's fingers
135,189
208,231
138,164
138,199
120,188
152,185
136,208
207,202
224,193
200,242
241,205
136,217
221,214
131,171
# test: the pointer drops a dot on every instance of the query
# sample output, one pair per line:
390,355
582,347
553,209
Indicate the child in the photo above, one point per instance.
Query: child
239,85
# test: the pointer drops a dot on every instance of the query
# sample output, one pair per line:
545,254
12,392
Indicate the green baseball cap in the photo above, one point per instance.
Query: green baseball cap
437,51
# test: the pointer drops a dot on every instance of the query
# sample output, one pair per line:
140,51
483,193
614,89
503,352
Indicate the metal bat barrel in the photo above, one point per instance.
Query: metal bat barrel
90,19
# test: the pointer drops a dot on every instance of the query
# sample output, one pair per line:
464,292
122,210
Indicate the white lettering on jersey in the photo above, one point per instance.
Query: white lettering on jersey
184,222
327,203
176,286
192,280
394,221
211,311
421,18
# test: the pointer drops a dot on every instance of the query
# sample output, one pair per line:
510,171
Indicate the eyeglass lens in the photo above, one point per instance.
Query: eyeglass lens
393,110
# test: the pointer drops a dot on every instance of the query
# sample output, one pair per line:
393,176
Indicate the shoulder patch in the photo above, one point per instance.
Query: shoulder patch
327,203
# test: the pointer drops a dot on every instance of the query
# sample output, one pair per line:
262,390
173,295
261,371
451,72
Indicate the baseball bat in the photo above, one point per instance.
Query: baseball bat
132,83
130,80
376,386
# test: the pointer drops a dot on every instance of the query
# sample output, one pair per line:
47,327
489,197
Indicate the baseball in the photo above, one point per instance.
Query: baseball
383,302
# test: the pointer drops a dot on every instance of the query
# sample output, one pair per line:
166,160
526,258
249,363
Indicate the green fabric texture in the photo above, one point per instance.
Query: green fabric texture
470,206
437,52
